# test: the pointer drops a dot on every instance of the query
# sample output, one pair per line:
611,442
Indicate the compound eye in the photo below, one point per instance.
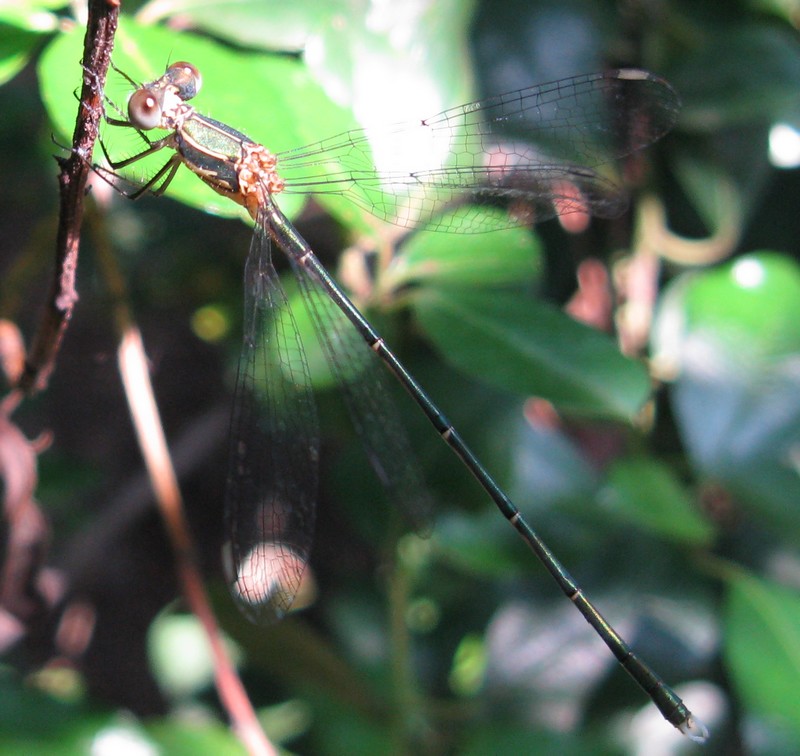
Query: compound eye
185,78
144,110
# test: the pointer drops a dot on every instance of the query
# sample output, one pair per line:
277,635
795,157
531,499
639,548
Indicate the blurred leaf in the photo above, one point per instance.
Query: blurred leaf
524,32
360,64
734,334
319,369
347,733
743,435
741,74
752,304
550,468
646,492
762,646
342,337
511,257
714,194
180,655
285,721
296,653
271,25
497,737
528,347
16,47
32,722
31,15
745,311
182,738
541,651
479,545
785,9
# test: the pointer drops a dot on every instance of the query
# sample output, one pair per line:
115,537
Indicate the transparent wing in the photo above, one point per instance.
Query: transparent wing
362,380
273,466
540,152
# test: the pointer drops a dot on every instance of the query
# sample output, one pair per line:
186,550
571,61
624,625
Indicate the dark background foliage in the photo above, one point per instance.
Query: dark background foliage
680,518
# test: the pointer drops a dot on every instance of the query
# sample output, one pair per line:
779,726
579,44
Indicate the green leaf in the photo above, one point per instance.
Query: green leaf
257,24
361,66
478,544
16,47
189,738
499,737
528,347
732,335
762,646
511,257
32,721
747,310
746,73
180,656
743,434
32,15
647,493
753,300
784,9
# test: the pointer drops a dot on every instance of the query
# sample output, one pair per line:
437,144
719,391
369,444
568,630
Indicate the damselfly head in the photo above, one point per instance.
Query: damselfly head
148,104
185,78
145,108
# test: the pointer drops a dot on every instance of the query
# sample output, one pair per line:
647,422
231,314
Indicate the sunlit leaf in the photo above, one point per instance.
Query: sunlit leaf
525,346
271,25
17,44
510,257
31,15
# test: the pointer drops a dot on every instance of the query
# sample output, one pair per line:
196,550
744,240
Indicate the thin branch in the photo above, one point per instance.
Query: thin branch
139,393
98,43
28,530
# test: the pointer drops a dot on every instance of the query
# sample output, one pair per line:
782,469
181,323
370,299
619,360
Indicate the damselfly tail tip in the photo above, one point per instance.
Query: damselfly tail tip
694,729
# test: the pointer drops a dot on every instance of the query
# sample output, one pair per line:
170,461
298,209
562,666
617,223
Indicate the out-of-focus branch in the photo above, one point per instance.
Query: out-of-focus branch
22,594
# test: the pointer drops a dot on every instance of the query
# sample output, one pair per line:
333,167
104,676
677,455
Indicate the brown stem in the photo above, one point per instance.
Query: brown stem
98,43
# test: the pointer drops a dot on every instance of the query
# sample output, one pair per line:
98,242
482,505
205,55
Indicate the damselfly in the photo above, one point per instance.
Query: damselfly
537,151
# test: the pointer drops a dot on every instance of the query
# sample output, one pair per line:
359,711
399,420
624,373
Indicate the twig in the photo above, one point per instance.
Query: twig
27,539
99,40
138,390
